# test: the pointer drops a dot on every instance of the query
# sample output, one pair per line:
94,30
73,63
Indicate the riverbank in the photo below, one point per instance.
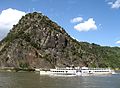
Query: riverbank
13,69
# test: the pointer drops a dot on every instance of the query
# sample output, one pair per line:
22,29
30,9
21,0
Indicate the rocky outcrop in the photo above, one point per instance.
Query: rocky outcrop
37,42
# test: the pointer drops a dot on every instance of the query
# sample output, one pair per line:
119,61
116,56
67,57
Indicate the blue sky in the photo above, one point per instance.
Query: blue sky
93,21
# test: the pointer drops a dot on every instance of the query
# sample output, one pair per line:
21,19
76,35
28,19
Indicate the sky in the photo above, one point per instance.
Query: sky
93,21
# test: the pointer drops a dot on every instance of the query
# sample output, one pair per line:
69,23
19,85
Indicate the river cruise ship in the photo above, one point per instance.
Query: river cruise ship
96,71
77,71
65,71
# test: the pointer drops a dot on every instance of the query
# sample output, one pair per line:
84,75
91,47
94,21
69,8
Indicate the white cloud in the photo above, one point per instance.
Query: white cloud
90,24
77,19
118,42
8,18
115,5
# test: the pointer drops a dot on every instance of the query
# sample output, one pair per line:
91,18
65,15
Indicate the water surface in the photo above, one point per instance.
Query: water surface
34,80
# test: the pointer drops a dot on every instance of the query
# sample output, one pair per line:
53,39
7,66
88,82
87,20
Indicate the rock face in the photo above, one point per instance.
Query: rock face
37,42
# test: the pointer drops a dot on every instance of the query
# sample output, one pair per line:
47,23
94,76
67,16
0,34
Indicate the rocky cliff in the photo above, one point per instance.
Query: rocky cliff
37,42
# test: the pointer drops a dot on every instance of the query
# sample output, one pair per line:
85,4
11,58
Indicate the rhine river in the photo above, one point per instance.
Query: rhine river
34,80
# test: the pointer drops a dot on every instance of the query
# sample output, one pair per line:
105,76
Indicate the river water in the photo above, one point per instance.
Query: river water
34,80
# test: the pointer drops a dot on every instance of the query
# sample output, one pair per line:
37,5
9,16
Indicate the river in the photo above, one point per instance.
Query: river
34,80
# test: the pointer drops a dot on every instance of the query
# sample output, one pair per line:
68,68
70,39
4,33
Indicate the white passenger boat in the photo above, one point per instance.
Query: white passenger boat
63,71
96,71
77,71
69,71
